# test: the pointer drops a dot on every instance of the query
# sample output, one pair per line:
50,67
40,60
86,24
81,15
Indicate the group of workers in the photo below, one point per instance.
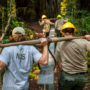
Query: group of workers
71,56
46,23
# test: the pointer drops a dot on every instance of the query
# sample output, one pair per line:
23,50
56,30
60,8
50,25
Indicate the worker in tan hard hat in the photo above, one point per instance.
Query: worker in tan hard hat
17,61
71,56
46,25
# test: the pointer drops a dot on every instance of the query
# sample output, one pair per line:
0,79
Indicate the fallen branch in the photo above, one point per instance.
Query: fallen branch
34,42
8,23
6,28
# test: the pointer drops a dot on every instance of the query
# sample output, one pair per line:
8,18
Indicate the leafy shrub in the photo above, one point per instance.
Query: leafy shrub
82,22
16,23
34,73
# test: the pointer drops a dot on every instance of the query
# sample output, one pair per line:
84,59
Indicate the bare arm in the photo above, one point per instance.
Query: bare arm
52,23
41,22
2,66
44,58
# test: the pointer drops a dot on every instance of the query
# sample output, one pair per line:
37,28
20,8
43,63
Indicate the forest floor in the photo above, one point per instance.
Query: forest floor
34,26
33,83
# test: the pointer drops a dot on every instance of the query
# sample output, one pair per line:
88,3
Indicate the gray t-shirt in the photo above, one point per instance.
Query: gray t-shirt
59,23
72,54
19,60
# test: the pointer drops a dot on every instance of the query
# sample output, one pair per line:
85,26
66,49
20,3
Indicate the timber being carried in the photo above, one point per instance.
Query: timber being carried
34,42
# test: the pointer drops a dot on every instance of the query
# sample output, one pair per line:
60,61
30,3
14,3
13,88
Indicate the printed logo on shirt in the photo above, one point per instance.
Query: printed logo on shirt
20,56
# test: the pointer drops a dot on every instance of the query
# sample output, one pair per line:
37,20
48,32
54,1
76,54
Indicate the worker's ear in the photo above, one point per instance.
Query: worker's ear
11,38
63,34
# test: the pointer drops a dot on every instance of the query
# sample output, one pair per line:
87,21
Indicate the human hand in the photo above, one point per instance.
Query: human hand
60,65
43,41
87,37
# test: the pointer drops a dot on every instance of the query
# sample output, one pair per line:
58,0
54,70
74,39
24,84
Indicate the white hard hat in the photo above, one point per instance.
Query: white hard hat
19,30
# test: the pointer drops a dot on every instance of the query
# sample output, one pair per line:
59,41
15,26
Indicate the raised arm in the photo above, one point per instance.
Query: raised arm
41,22
44,58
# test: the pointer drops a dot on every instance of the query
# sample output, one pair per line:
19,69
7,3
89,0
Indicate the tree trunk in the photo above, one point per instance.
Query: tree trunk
36,8
84,4
50,7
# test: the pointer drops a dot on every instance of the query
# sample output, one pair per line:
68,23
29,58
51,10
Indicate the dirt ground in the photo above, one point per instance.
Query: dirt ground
34,26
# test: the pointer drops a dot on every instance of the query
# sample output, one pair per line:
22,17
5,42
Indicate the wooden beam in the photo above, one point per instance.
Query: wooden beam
34,42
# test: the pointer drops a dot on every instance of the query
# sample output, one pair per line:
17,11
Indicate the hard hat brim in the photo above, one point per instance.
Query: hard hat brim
61,31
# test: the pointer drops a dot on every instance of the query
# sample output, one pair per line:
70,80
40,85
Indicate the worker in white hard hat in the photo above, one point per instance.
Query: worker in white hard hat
18,61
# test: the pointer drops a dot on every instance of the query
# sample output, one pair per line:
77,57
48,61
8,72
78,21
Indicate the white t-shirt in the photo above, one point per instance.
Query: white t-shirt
19,60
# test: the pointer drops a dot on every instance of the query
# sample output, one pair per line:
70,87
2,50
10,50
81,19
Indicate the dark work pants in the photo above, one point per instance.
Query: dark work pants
72,81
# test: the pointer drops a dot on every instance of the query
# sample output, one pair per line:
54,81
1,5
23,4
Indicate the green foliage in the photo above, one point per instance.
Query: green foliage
2,74
88,57
79,17
81,21
16,23
32,74
30,34
6,41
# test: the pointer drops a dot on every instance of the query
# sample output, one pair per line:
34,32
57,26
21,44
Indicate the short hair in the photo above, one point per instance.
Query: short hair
68,30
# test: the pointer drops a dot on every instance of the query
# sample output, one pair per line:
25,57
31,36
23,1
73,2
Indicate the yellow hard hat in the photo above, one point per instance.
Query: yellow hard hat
44,16
68,25
59,16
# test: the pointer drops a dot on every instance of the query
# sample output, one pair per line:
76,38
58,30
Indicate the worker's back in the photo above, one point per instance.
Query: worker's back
73,55
59,23
19,61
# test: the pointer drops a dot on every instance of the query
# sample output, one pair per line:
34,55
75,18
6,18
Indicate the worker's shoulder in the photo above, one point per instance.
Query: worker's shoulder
27,46
59,20
47,20
60,43
12,48
79,40
74,40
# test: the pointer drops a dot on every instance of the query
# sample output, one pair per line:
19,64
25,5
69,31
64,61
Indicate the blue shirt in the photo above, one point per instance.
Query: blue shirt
19,60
